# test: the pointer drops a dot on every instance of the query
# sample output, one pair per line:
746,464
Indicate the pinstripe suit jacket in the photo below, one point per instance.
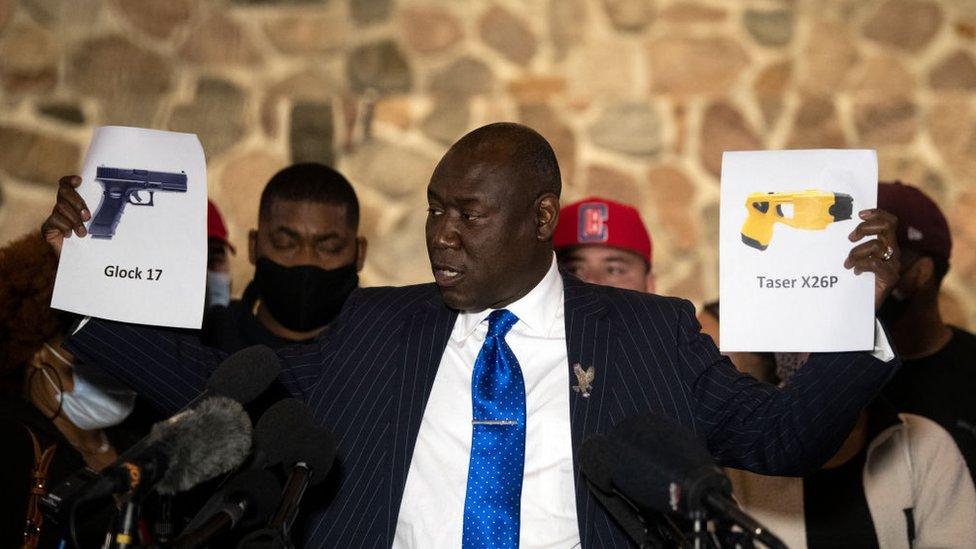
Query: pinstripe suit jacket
369,379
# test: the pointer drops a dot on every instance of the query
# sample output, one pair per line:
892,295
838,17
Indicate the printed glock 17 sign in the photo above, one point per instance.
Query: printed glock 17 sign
145,255
784,226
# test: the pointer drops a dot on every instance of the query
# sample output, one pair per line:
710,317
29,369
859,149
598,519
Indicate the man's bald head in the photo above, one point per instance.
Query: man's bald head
518,149
494,203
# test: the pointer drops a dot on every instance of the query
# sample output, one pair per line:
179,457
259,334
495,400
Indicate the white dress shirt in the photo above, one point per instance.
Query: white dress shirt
432,509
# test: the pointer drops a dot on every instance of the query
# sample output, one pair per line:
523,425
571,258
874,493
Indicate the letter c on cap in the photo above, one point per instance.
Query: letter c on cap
593,222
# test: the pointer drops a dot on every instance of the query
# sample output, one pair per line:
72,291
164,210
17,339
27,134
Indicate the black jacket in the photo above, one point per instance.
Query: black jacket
370,376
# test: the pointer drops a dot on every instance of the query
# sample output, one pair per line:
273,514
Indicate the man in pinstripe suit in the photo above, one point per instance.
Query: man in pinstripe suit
393,378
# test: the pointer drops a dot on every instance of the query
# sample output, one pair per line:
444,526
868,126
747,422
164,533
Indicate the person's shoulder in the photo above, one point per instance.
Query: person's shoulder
672,317
633,300
394,298
397,292
926,437
934,454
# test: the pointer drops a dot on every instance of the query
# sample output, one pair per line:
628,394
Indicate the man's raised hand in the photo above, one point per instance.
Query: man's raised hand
880,255
69,214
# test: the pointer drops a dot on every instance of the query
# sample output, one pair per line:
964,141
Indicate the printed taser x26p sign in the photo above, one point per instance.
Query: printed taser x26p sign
785,221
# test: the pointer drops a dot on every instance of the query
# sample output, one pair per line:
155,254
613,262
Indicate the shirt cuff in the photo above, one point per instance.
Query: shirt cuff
882,349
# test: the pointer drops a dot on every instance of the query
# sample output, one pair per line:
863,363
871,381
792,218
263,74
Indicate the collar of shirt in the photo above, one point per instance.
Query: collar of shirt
538,310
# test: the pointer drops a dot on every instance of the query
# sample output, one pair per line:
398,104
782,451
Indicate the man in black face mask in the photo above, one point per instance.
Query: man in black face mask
936,377
307,254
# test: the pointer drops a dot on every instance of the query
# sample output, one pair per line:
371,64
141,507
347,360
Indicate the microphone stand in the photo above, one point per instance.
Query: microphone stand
276,534
699,529
291,495
728,536
163,526
209,530
752,528
657,529
124,533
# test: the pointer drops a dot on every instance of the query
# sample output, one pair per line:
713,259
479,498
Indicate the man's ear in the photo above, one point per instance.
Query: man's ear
547,216
252,246
360,253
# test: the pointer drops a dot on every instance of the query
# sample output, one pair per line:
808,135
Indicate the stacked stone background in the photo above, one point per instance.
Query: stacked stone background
638,97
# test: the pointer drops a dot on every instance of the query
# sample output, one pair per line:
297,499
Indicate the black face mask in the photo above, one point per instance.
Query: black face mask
305,297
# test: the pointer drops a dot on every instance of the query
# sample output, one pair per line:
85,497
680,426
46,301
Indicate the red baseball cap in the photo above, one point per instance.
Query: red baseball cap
215,226
603,222
921,225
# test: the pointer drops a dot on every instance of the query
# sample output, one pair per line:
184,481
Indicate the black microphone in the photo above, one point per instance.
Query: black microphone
279,432
242,376
307,465
246,500
659,465
310,451
597,455
195,445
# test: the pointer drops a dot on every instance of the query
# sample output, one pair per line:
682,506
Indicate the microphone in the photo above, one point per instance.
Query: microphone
193,446
308,450
214,440
310,461
657,464
645,529
242,376
246,500
279,432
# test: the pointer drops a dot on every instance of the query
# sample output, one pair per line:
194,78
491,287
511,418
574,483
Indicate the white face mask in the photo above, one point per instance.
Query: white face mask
97,400
218,289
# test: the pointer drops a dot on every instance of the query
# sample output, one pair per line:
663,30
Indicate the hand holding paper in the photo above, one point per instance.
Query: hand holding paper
880,255
69,215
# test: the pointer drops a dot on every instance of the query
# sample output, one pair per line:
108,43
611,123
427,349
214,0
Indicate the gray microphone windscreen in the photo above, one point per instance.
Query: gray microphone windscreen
211,439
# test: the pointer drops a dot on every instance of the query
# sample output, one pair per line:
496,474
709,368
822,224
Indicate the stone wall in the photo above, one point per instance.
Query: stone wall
638,97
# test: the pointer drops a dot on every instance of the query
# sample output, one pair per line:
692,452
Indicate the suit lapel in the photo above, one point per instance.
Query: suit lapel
427,332
587,344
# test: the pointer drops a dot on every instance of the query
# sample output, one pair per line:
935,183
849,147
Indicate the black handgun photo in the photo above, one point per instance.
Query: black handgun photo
122,186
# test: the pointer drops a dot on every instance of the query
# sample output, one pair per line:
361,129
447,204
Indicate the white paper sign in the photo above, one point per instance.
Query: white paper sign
139,263
783,285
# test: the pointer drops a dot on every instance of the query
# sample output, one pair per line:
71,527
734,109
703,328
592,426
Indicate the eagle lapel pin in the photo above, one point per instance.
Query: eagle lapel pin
584,380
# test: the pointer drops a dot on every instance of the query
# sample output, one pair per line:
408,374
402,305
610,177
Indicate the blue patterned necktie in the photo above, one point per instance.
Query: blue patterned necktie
491,505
